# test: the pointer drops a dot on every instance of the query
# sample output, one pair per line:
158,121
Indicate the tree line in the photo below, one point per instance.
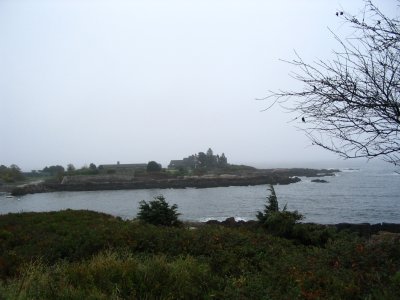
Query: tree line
10,174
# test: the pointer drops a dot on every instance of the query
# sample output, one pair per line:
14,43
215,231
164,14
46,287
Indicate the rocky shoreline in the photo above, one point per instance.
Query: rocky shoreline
153,184
362,229
97,183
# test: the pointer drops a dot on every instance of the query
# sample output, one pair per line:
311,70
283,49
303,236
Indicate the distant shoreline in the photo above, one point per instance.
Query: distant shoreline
98,183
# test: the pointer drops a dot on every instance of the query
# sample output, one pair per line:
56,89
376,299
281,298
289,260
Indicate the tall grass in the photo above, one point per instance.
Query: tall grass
110,275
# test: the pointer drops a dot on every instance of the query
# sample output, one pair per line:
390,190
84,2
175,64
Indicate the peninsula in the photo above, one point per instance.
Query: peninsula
202,170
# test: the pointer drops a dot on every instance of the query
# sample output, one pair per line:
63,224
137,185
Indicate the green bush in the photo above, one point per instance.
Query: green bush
313,234
278,222
282,223
158,212
153,166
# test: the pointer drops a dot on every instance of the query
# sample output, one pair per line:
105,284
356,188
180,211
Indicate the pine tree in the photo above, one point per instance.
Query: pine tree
272,206
158,212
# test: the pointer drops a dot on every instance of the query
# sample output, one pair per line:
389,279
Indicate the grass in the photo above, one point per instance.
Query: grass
88,255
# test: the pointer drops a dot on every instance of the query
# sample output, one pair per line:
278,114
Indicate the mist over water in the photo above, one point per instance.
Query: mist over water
370,194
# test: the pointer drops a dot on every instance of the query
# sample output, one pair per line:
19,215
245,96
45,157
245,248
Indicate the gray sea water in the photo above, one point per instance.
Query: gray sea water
368,194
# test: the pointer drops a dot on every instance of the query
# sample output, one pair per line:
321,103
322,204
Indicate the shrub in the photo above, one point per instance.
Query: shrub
158,212
313,234
153,166
278,222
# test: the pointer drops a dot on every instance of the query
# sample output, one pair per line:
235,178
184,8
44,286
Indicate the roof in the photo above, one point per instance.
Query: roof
176,163
124,166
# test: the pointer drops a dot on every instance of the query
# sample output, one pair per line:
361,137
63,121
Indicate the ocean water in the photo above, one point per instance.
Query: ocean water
369,194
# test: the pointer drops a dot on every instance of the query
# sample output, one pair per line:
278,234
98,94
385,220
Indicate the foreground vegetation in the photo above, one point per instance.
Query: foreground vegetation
88,255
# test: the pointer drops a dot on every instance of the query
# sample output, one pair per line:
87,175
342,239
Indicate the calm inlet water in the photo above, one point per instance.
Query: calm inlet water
365,195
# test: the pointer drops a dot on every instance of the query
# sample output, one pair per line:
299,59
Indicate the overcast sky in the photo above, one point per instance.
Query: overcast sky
133,81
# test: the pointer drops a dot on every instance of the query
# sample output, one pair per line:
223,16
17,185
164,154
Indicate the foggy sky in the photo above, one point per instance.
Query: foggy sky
134,81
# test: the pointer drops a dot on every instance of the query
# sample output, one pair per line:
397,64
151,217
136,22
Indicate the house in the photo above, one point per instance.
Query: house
175,164
122,168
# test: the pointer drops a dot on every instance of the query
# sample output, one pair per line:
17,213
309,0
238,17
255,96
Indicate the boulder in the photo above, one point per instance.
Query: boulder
319,181
229,222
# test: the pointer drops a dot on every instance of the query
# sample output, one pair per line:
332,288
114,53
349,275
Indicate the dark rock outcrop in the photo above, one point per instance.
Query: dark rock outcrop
363,229
319,181
367,229
231,222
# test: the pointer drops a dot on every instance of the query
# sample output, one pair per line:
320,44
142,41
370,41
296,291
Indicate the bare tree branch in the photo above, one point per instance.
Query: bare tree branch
350,104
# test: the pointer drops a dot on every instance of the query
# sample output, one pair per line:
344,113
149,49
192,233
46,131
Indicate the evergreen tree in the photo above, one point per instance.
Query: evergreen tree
70,168
280,223
202,160
271,207
222,162
158,212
